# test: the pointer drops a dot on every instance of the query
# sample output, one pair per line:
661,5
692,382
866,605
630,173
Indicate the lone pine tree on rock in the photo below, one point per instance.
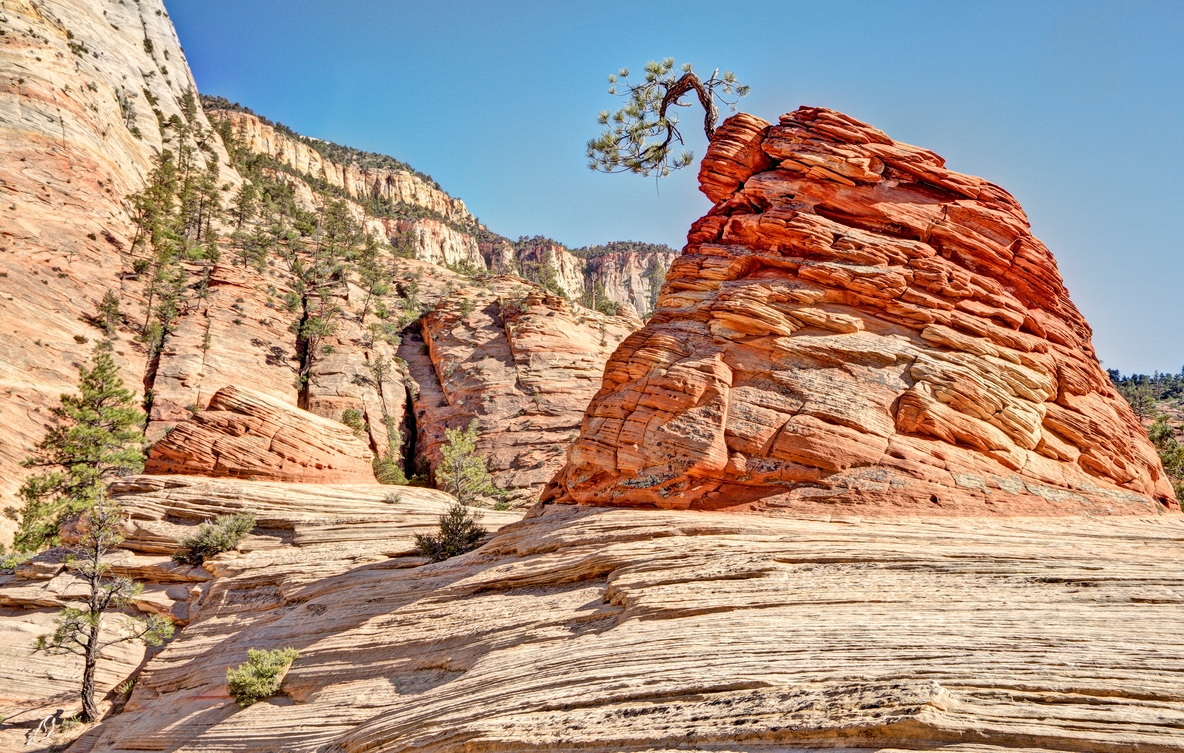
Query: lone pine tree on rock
80,630
98,436
641,135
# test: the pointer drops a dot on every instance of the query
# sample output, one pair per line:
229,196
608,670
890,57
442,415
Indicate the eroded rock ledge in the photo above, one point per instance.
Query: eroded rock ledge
854,325
250,435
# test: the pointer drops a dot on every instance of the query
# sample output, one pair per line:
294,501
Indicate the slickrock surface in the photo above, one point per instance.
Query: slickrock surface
521,362
67,159
595,629
306,533
855,327
249,435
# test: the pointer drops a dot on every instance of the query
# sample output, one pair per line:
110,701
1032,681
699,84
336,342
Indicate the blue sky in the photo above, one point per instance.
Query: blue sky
1077,108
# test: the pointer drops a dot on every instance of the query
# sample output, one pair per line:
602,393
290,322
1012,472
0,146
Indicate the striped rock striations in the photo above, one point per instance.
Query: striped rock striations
853,325
251,435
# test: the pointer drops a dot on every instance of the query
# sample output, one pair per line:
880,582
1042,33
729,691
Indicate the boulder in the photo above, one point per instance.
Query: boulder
854,326
250,435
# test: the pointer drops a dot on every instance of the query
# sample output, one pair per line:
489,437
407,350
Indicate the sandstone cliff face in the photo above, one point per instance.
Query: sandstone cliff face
521,362
627,278
855,326
436,241
631,279
623,630
398,186
69,157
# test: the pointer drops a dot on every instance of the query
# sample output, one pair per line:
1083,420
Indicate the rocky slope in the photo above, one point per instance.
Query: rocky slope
78,86
855,326
520,362
614,630
618,273
307,534
90,91
249,435
446,236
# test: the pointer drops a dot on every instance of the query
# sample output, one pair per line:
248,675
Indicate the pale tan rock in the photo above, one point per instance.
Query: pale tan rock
250,435
854,327
68,161
605,630
307,533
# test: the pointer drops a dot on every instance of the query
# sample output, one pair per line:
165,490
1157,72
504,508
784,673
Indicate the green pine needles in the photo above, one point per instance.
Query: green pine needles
212,538
462,472
97,436
640,136
260,675
459,532
80,630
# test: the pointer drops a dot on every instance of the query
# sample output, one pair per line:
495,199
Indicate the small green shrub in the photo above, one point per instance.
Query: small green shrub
458,533
9,562
353,419
259,676
222,535
388,470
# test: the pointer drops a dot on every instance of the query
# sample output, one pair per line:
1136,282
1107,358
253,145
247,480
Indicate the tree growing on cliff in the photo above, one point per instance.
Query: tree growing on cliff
640,136
97,436
79,630
373,277
462,472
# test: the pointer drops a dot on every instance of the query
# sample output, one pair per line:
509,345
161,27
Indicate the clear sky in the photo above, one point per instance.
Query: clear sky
1077,108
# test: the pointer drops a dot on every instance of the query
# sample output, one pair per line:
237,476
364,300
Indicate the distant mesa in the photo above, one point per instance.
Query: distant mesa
855,328
249,435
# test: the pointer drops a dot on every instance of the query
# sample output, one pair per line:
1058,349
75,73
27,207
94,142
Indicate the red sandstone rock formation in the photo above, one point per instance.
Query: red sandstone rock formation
247,434
853,325
521,362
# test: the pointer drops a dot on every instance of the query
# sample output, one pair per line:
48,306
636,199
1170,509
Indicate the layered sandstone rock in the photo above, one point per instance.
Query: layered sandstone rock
623,630
521,362
306,534
399,186
438,239
855,326
251,435
69,154
628,278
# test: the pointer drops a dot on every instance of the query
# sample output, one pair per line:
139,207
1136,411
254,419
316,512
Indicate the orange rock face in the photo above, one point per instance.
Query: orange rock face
853,327
250,435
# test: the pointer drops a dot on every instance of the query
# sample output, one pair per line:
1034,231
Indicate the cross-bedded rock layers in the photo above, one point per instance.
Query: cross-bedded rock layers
855,327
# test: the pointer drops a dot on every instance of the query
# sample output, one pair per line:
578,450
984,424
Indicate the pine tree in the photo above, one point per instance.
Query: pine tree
640,136
97,437
79,631
109,314
462,471
372,276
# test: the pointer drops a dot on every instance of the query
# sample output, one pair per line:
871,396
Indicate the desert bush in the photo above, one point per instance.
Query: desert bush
221,535
458,532
259,676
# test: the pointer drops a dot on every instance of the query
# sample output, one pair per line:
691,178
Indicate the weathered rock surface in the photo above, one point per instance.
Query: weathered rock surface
398,186
69,157
521,362
629,278
306,533
438,241
614,630
250,435
854,326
